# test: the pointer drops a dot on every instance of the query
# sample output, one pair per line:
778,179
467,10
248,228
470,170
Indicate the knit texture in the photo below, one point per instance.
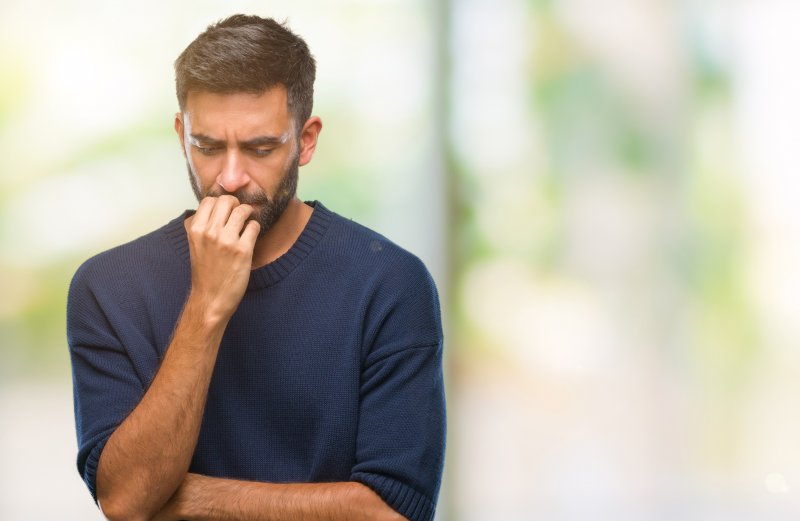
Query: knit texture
329,370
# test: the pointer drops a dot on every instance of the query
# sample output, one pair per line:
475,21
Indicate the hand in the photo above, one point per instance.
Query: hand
221,242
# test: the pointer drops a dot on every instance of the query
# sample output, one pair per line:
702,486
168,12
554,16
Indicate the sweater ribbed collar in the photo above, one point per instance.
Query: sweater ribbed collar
276,270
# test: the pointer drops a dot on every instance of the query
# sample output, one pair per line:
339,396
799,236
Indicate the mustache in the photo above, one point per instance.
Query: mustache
257,198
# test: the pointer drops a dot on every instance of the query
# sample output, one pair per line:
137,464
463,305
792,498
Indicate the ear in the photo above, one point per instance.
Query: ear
308,139
179,131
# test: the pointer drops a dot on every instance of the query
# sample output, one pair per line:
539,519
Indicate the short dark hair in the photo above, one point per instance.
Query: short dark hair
248,54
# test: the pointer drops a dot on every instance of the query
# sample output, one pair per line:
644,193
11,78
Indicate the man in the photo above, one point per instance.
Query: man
260,357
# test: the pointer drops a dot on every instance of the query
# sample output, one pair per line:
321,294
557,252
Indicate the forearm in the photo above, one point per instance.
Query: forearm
147,457
203,498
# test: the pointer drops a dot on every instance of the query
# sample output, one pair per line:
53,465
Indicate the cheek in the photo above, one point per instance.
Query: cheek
203,164
271,167
289,159
192,163
203,171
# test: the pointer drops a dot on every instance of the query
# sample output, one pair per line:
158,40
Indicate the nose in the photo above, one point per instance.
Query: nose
233,175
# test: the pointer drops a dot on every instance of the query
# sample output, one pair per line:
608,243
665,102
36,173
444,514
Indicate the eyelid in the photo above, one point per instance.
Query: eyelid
209,149
206,149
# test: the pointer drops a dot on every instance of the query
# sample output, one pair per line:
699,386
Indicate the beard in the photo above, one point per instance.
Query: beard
266,210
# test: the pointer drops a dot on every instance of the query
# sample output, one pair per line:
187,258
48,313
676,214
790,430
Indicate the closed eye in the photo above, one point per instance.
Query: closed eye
207,151
261,152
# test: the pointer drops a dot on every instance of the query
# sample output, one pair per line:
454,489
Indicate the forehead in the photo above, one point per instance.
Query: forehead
240,112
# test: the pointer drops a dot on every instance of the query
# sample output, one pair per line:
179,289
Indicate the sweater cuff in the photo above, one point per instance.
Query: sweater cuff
405,500
90,468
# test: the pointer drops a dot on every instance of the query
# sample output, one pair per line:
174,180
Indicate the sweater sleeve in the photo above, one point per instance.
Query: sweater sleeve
106,384
401,433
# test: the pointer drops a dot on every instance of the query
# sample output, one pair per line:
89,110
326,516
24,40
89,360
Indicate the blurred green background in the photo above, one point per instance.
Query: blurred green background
602,190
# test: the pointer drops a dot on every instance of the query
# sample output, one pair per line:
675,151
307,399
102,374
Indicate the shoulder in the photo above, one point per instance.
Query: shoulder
129,294
398,291
143,256
370,250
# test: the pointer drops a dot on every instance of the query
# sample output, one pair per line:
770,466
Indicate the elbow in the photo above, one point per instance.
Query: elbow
115,510
123,502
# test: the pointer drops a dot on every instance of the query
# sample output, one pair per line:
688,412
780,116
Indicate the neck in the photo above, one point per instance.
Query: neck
283,234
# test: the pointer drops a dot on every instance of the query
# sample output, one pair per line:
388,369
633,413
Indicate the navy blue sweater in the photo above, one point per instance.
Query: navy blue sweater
329,370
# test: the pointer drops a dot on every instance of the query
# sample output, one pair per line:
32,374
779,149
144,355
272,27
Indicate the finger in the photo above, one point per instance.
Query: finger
238,216
222,210
201,216
250,234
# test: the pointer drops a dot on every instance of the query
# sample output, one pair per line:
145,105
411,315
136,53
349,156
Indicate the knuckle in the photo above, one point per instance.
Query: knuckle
197,232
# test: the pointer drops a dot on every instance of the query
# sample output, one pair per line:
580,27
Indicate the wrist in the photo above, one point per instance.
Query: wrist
206,309
202,317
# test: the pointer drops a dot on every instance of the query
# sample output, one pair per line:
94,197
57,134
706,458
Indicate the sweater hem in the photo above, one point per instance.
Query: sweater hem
90,468
412,504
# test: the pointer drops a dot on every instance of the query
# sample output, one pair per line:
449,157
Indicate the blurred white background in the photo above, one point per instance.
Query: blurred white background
605,193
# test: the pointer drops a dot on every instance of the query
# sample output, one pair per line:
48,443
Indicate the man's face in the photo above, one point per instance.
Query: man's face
244,145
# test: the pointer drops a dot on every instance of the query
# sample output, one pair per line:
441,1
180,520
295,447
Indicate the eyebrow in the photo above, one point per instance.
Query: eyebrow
258,141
